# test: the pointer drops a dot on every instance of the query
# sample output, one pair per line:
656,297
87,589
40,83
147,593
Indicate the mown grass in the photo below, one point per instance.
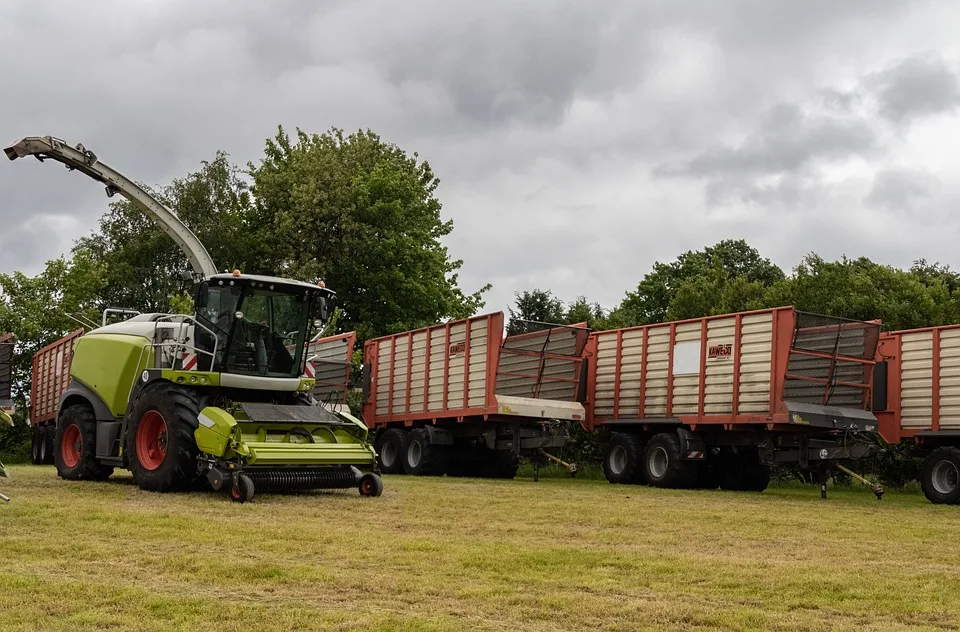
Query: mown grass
460,554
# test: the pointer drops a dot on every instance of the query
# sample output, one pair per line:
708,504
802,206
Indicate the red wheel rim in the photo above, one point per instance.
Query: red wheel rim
366,487
71,446
235,492
151,440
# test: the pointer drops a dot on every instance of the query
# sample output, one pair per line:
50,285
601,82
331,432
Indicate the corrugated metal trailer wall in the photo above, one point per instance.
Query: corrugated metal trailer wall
734,368
922,367
51,378
6,370
329,359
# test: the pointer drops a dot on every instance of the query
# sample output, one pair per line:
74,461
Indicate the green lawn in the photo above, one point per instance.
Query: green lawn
460,554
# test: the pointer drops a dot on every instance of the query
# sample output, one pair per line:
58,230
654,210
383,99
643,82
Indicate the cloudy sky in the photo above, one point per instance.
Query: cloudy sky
576,142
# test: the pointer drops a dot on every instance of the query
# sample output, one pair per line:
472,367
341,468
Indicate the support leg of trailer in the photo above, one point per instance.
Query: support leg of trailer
822,478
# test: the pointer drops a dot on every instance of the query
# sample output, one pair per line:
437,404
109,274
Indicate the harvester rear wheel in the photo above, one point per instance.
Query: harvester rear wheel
371,485
75,446
160,445
623,461
389,447
420,458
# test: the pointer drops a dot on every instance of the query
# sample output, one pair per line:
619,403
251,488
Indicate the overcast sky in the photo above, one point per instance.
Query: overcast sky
576,142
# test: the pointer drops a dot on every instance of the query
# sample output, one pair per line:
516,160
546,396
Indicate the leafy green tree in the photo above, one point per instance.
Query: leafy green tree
698,282
535,305
864,290
362,215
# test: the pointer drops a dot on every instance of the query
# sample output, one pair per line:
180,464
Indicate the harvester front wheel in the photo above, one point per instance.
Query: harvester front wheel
160,444
75,445
242,491
389,448
371,485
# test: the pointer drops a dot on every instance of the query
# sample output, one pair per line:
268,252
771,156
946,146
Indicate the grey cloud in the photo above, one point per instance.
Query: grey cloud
916,87
544,121
898,189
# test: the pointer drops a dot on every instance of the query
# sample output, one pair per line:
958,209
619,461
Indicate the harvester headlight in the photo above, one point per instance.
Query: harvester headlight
193,379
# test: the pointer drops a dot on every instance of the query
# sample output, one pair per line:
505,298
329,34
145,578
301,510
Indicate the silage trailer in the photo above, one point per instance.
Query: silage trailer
715,402
917,399
461,399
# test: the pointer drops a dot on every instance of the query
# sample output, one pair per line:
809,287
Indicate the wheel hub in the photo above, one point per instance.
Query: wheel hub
151,440
71,446
389,454
618,459
415,453
658,462
945,477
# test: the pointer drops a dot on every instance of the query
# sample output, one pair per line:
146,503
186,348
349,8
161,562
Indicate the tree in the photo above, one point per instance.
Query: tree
535,305
698,281
363,216
864,290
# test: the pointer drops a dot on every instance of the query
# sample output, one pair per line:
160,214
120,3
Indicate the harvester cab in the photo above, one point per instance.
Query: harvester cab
222,395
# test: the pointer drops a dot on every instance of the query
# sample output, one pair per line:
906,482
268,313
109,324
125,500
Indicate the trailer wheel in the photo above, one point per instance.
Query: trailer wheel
36,445
500,464
623,461
742,471
160,445
75,445
420,458
941,476
46,447
389,447
663,466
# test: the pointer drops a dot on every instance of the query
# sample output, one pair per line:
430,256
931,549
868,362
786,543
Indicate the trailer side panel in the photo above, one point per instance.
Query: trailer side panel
51,378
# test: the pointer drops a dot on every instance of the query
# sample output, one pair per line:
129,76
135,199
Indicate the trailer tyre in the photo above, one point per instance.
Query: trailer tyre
500,464
663,466
420,458
38,438
389,447
743,472
49,433
75,446
940,478
623,460
160,444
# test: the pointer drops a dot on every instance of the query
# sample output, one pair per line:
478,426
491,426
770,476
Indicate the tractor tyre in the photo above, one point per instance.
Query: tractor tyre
940,476
75,446
160,444
663,466
420,458
623,459
389,447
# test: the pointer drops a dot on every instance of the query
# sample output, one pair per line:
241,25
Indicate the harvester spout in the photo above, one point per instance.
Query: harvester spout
85,161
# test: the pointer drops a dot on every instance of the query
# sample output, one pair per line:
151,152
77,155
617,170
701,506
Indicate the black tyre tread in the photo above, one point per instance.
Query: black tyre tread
88,468
708,476
742,471
500,464
36,439
395,435
634,472
48,441
680,474
949,453
180,408
434,459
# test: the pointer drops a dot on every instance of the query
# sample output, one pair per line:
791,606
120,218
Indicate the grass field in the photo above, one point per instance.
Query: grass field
460,554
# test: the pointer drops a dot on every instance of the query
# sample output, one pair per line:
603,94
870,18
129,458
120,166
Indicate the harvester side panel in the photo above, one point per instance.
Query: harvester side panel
923,382
51,377
760,367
